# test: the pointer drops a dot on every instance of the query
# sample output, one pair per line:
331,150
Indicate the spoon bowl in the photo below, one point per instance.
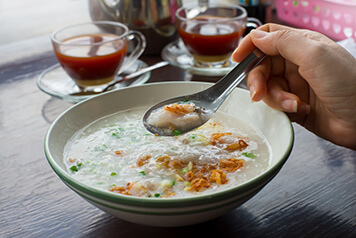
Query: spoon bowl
208,101
200,107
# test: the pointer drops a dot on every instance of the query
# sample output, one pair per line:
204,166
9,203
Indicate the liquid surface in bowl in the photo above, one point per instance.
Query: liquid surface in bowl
118,154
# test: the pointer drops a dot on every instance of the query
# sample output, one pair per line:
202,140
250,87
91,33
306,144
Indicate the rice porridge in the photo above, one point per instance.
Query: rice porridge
174,118
116,153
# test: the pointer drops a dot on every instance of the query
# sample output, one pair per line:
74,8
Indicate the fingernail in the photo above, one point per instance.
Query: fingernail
235,50
290,105
258,34
252,93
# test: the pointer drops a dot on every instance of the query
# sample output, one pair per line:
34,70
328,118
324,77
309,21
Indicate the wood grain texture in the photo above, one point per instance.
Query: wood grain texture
312,196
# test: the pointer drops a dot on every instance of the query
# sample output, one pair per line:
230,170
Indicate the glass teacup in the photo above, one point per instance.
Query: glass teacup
92,54
211,32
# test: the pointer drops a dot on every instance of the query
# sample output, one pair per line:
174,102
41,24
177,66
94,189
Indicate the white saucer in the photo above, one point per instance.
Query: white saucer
55,82
177,54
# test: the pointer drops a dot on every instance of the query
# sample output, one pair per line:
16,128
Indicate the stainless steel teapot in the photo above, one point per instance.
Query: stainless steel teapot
154,18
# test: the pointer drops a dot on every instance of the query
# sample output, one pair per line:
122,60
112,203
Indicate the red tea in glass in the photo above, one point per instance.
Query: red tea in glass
211,32
93,53
208,40
90,61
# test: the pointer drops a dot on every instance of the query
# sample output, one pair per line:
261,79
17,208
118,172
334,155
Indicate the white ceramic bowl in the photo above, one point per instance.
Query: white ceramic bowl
169,212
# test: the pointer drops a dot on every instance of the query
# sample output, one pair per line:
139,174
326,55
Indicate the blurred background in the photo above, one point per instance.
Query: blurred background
54,14
34,20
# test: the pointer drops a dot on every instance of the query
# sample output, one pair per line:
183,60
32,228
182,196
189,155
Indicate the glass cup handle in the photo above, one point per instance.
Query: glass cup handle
252,23
136,52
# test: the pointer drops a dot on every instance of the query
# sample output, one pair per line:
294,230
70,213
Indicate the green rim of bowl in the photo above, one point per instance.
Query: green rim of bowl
162,212
164,202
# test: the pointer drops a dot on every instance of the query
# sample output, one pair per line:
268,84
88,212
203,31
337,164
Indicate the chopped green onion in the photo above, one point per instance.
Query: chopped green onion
193,136
185,100
113,173
99,148
173,182
74,168
142,172
176,132
157,195
80,164
184,171
249,155
190,165
186,183
116,135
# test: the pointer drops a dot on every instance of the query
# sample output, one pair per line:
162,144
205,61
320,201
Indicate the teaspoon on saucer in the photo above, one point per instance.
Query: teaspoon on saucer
208,101
120,80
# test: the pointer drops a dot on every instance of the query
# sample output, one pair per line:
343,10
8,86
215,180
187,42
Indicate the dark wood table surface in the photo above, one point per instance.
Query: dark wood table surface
312,196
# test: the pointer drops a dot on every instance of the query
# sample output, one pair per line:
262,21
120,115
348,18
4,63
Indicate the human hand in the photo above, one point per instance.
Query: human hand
308,76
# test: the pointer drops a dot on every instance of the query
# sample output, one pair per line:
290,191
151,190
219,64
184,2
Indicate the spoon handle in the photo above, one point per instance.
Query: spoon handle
137,73
224,86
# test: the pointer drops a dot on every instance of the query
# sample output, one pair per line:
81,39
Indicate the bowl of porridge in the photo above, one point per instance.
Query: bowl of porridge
100,149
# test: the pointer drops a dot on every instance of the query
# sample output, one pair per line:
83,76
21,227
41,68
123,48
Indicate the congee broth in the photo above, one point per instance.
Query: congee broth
116,153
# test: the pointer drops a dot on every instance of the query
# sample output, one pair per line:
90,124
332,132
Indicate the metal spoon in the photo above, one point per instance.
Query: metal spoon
120,80
135,74
208,101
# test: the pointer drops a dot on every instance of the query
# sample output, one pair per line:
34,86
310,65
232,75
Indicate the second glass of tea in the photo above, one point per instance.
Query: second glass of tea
93,53
211,32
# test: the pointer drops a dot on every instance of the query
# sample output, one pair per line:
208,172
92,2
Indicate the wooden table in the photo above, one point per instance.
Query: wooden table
312,196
